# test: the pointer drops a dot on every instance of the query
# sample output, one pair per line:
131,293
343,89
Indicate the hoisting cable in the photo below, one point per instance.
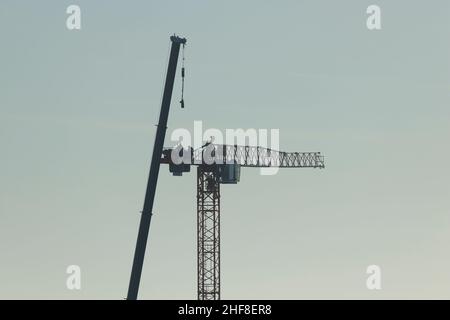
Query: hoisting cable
182,79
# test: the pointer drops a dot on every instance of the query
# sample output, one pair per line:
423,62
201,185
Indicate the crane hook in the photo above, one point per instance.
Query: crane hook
182,79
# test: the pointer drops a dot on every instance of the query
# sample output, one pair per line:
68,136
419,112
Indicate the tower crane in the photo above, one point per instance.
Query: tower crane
216,164
221,164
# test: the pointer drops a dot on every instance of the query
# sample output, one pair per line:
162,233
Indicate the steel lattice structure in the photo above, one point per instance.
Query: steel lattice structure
250,156
208,233
211,161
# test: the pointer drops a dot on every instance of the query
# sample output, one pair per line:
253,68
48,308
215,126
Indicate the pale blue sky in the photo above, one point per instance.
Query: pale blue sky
77,115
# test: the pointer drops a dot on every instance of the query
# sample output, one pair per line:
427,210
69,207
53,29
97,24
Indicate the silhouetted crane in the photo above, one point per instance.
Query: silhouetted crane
224,168
216,165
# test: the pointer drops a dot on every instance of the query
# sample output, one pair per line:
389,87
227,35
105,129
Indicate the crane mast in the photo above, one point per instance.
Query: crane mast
146,216
208,233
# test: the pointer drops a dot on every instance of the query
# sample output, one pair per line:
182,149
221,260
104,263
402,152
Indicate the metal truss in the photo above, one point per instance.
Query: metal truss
248,156
208,233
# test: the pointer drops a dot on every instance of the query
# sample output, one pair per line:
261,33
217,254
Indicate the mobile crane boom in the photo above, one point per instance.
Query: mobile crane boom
146,216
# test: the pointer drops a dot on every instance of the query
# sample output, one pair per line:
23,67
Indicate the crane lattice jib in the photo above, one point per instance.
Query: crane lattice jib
249,156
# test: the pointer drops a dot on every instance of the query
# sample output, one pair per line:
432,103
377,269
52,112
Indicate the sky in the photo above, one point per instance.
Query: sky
77,122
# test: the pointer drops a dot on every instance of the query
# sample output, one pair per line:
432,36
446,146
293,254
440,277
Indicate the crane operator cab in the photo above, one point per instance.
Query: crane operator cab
230,173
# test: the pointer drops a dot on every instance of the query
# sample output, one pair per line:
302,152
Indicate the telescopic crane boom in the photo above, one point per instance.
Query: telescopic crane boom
146,216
